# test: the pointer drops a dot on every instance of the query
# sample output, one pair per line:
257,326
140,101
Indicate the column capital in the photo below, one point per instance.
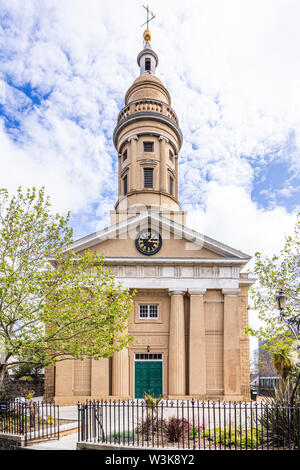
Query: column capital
132,137
177,292
231,291
162,137
196,291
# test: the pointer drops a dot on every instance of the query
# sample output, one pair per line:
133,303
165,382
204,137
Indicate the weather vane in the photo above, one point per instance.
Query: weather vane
147,33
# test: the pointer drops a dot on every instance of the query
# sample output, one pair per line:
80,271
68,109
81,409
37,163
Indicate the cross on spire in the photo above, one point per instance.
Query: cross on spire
148,16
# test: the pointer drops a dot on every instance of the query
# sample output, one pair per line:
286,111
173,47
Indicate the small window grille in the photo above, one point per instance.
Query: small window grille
148,312
148,177
125,185
148,357
171,186
148,65
148,146
125,156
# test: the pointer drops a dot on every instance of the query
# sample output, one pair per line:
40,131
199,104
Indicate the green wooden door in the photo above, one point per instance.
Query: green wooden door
148,378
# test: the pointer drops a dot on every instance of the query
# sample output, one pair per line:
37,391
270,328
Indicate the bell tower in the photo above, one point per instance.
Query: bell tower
148,139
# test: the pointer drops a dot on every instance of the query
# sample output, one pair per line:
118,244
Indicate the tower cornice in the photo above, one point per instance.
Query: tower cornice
142,116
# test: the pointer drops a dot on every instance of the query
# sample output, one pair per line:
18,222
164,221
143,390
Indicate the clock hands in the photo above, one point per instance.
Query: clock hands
148,242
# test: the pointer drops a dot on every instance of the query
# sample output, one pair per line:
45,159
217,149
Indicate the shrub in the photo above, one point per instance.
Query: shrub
47,419
195,431
150,425
236,437
176,428
281,422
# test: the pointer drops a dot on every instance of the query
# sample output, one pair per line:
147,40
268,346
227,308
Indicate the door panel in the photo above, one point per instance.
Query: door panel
148,378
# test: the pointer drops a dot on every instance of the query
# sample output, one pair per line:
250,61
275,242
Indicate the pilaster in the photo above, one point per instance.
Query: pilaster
197,346
163,164
232,359
120,373
64,378
133,172
177,377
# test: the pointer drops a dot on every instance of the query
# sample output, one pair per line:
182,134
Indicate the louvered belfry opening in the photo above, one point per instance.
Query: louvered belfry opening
148,177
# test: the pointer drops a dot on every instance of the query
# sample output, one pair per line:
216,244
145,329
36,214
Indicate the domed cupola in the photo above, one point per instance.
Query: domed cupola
148,139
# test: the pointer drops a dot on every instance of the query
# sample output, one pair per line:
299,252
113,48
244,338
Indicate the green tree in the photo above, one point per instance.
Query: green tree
274,273
54,304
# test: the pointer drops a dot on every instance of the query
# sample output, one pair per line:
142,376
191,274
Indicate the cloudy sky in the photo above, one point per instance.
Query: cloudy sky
233,71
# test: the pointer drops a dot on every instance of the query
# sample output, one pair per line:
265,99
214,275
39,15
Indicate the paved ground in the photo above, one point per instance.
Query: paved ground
64,443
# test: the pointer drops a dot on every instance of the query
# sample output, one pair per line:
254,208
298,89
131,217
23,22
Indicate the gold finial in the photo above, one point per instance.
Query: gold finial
147,32
147,35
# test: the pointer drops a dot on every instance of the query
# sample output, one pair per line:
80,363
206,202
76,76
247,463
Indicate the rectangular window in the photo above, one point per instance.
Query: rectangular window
125,156
148,177
170,155
125,185
148,146
147,65
171,186
149,312
148,357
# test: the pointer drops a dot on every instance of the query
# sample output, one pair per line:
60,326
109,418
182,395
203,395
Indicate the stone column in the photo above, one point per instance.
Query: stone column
120,189
163,186
176,180
232,360
177,376
120,374
197,350
133,172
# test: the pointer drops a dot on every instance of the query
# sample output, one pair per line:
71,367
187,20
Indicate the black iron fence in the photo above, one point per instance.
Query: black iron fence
191,424
33,420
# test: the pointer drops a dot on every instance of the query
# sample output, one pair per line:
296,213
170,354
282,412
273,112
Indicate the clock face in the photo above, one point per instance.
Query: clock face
148,241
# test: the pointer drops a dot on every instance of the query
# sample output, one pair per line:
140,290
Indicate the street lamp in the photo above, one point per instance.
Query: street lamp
281,300
293,325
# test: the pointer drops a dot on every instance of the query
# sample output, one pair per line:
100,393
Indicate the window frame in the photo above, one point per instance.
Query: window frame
148,143
144,176
148,313
124,155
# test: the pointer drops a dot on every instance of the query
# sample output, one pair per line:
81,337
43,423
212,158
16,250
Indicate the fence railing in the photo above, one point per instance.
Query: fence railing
191,424
33,420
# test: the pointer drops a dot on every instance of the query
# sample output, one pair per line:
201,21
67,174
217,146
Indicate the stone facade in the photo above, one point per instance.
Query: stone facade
193,283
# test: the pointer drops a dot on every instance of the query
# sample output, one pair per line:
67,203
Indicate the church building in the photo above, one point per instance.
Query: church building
191,303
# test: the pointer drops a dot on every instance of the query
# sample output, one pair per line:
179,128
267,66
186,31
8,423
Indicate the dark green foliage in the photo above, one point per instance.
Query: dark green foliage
26,370
281,421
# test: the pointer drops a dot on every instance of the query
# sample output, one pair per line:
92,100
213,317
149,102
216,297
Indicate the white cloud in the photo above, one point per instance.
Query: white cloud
233,70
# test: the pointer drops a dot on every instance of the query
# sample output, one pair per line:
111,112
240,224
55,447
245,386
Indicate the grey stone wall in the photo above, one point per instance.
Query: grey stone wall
11,441
20,388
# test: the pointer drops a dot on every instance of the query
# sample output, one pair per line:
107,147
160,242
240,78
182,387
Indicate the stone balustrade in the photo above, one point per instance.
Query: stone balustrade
147,105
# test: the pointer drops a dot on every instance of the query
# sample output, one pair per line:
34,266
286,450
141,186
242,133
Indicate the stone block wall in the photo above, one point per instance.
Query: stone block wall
20,388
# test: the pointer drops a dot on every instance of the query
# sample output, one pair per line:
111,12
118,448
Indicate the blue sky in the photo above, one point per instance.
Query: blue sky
233,70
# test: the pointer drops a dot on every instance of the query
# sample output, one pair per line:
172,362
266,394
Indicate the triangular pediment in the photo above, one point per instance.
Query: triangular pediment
179,241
